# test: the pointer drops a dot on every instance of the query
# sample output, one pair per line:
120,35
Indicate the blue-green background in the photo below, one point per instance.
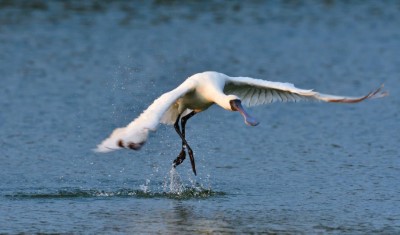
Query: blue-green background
72,71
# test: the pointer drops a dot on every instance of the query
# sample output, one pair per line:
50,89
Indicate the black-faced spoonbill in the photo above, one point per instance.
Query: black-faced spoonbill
202,90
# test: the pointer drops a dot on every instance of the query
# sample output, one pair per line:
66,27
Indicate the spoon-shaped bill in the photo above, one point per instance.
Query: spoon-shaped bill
236,105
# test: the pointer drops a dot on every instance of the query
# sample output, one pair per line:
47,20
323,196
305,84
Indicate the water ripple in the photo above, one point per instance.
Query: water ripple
70,193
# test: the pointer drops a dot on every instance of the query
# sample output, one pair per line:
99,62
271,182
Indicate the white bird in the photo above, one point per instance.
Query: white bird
199,92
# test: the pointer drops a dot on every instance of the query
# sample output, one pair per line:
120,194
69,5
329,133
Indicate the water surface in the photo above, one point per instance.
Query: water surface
71,72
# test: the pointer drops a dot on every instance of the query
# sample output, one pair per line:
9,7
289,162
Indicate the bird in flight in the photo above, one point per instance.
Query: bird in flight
199,92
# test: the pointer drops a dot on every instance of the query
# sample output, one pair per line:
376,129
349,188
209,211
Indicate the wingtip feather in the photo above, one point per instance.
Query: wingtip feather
378,93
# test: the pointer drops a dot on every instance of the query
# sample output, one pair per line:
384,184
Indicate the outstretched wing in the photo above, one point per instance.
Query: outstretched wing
254,92
135,134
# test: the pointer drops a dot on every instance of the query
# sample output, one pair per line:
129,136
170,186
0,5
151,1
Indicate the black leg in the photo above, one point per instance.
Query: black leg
183,125
182,154
184,120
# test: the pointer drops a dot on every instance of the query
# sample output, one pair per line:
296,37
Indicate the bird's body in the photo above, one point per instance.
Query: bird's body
198,93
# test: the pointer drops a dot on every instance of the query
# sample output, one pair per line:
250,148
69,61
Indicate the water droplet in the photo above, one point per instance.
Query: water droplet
174,182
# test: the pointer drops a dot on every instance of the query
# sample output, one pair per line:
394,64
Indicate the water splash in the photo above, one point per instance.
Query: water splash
173,184
145,187
173,187
77,193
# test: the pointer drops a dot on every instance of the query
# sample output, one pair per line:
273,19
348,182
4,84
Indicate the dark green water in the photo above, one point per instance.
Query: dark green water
72,71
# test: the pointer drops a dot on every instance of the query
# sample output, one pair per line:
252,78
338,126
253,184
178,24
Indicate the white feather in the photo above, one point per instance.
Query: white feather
137,131
202,90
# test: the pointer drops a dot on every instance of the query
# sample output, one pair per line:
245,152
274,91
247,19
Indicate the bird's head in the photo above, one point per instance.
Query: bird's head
231,98
236,105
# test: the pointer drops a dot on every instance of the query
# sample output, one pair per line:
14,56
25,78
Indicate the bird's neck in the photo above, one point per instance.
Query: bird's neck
224,101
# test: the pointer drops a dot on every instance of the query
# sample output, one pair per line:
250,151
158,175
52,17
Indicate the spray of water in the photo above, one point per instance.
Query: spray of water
145,187
173,184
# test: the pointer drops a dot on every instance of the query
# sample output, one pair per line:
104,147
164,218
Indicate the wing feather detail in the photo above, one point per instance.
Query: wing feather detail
254,98
255,92
268,98
263,95
135,134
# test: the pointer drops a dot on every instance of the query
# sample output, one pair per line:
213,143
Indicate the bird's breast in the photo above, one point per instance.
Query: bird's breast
194,101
